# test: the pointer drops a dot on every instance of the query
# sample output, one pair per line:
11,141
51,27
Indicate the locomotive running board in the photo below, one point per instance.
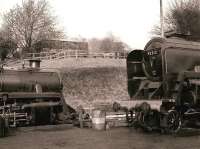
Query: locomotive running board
192,115
41,104
25,95
155,104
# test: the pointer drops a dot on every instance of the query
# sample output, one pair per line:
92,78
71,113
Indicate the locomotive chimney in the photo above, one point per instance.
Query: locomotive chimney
34,63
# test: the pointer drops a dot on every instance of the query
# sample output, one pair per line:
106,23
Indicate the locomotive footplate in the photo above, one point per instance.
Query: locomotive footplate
31,95
191,115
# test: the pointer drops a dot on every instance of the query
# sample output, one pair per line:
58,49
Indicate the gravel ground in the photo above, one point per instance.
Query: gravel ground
61,137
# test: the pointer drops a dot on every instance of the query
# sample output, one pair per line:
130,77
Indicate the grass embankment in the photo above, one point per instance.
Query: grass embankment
83,63
85,86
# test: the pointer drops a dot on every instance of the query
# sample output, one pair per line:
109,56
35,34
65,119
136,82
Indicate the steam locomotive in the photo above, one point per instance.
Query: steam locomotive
164,84
30,96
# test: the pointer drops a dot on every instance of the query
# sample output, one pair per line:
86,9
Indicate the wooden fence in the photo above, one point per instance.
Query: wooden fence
74,54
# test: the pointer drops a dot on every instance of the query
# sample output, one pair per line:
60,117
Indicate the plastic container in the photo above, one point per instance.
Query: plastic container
98,119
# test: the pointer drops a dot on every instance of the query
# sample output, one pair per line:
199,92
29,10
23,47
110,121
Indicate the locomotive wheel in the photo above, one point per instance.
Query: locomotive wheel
42,116
173,122
130,118
138,122
142,116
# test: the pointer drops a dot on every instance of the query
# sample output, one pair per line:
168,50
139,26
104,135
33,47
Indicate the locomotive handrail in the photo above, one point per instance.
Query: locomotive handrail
137,78
139,62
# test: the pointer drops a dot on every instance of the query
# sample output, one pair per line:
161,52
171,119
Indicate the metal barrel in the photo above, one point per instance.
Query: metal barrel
98,119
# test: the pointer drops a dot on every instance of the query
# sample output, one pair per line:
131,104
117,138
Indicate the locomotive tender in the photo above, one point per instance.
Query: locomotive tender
30,96
164,84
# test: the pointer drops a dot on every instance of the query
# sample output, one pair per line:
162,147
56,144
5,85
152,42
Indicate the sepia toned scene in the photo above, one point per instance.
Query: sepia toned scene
106,74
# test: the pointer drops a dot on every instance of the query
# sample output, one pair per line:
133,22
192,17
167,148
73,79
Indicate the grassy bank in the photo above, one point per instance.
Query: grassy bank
84,86
83,63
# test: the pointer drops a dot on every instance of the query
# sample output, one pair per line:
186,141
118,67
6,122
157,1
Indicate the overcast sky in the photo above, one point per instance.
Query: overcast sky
130,20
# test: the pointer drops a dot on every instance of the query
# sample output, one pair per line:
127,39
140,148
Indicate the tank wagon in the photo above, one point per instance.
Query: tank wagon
164,84
30,96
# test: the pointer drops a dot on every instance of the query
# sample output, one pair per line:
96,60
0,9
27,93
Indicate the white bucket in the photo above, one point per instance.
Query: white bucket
98,119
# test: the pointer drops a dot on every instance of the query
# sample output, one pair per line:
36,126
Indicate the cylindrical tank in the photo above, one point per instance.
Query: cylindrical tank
98,119
26,80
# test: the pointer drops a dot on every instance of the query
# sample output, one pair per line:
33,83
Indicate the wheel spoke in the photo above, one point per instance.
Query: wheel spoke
173,121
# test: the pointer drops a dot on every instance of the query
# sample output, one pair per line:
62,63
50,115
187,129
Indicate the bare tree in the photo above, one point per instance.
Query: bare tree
110,43
7,46
183,17
94,45
29,23
106,45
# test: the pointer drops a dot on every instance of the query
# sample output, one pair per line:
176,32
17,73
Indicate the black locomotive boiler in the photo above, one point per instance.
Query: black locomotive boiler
30,96
164,84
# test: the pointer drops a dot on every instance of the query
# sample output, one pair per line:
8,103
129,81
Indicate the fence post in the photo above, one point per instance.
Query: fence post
76,54
65,54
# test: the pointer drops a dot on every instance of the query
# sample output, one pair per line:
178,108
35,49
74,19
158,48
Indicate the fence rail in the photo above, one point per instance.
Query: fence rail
74,54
